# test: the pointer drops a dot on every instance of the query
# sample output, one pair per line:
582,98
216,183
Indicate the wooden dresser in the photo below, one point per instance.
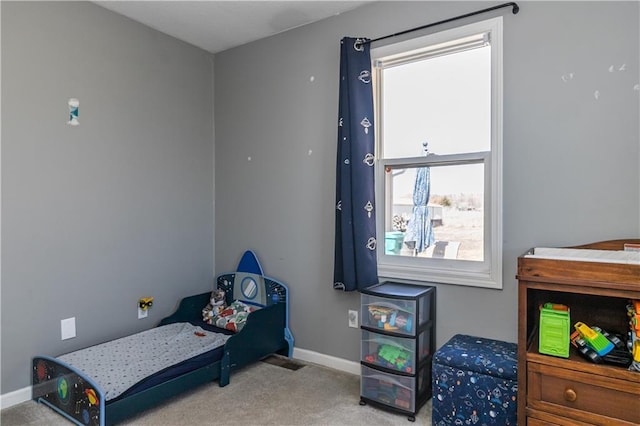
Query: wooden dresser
573,391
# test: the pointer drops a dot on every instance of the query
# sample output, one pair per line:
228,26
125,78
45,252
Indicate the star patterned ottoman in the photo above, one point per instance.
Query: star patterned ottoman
475,382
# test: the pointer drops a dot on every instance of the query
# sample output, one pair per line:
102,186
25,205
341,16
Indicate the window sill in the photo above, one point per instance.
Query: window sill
444,276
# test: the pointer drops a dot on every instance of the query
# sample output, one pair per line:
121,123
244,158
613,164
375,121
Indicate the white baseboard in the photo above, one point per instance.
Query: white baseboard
327,361
22,395
14,398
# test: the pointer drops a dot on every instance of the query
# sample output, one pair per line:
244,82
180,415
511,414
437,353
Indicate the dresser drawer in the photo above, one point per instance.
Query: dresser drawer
541,418
582,396
536,422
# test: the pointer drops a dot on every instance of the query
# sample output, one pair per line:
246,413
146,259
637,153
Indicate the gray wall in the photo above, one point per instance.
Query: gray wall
96,216
570,161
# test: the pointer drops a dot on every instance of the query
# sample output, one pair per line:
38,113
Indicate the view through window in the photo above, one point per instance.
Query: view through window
438,158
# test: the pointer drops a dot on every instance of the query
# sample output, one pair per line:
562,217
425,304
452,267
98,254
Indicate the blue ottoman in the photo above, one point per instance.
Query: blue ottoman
475,382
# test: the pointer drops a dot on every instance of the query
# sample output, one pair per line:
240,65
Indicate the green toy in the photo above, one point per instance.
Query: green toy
595,339
393,355
554,332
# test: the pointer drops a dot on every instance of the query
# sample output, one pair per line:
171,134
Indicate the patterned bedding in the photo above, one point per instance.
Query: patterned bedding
233,317
117,365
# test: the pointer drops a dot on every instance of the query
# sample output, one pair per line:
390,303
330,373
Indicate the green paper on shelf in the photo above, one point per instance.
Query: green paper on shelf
555,330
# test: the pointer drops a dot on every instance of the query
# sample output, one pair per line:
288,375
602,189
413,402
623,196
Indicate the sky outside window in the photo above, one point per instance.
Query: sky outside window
445,101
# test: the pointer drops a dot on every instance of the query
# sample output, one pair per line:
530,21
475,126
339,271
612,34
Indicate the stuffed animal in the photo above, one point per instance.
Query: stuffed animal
216,305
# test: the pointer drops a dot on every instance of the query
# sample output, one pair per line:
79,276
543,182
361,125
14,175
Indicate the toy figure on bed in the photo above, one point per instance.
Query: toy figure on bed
216,305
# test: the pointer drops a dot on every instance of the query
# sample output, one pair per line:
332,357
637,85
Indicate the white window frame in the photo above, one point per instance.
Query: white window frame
486,274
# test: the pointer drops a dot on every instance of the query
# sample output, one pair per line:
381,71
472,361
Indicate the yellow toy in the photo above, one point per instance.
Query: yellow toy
594,339
145,303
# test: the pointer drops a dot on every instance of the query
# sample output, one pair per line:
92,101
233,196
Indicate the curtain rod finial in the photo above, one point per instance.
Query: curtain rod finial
516,8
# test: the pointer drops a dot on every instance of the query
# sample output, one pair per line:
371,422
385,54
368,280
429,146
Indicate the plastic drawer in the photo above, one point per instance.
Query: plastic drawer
389,389
424,382
394,315
395,353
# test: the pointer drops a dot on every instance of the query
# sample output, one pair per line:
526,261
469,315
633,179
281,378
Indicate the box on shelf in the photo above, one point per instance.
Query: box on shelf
555,330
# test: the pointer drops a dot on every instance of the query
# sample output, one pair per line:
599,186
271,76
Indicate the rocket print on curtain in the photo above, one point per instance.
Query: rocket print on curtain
356,265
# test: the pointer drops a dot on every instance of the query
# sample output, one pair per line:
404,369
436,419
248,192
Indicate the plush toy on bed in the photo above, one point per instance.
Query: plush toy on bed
216,305
234,317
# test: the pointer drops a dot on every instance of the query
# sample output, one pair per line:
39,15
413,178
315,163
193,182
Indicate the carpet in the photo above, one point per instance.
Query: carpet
265,393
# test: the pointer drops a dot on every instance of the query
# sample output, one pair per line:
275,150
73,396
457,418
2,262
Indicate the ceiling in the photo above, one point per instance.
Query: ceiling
217,25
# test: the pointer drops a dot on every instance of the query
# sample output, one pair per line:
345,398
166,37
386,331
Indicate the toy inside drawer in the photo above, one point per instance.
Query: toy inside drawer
389,389
392,315
395,353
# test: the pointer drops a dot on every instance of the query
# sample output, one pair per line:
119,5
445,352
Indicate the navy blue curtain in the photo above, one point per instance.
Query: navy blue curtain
356,265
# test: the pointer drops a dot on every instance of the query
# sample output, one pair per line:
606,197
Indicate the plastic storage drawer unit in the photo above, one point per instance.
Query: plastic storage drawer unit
398,336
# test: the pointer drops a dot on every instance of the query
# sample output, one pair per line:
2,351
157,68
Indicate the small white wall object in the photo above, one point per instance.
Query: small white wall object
74,105
353,319
68,328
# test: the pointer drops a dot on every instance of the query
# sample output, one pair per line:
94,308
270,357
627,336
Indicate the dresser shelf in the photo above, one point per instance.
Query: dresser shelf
574,391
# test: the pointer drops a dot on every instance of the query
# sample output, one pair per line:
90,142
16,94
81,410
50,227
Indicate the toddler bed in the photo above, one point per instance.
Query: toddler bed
107,383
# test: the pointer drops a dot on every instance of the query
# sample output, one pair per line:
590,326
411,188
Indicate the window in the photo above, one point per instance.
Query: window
439,117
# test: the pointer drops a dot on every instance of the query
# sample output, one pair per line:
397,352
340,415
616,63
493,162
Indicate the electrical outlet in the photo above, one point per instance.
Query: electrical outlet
68,328
353,319
142,313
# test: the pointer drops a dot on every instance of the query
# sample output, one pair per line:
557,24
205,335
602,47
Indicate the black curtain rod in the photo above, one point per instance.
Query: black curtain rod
516,9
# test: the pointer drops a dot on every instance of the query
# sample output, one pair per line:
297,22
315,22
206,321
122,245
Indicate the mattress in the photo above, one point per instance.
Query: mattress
128,365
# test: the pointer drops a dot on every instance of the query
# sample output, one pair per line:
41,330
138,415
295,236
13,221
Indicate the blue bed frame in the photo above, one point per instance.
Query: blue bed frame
77,397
